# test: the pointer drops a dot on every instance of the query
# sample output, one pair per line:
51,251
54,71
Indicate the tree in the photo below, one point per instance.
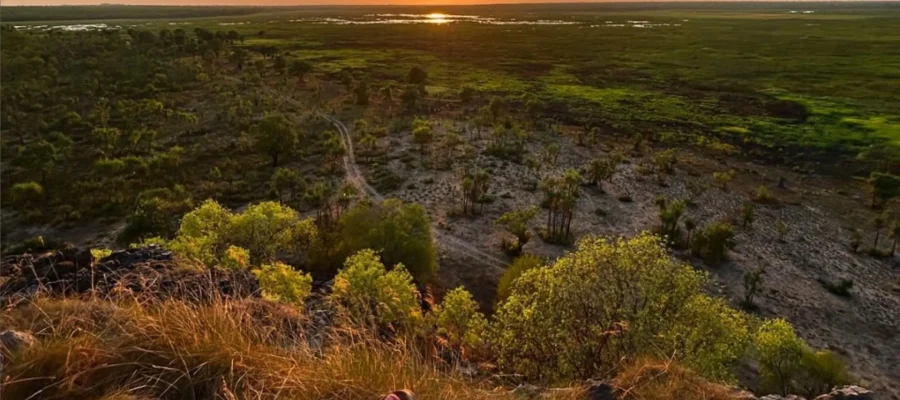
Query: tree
362,93
274,136
38,157
401,233
459,321
416,75
752,285
519,266
282,283
689,225
263,229
467,94
722,178
551,153
560,194
879,222
884,187
299,68
496,107
238,57
713,242
748,214
592,308
516,223
473,185
287,181
423,136
27,193
670,213
280,64
368,295
895,235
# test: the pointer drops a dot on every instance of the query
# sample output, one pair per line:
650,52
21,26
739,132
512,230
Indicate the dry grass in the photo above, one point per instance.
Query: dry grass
649,379
248,349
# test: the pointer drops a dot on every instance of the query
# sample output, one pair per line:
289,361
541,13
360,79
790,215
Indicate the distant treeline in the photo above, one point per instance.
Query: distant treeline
77,13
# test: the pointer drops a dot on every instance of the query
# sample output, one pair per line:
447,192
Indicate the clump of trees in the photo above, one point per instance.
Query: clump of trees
560,200
473,187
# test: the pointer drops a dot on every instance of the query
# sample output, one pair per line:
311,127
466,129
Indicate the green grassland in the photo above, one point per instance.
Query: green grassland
717,69
788,87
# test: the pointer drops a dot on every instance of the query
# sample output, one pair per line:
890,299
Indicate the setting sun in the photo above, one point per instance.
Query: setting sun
437,18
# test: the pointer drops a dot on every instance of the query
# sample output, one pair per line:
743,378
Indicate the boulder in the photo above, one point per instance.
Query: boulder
14,340
848,393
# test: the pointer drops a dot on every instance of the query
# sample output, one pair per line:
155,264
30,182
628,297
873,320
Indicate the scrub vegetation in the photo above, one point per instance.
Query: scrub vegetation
671,198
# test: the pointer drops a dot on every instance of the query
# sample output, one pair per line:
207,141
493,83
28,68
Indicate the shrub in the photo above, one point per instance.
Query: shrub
669,214
819,372
748,214
516,223
100,253
559,323
778,350
236,258
27,192
842,288
369,295
515,270
401,233
752,285
282,283
459,321
713,242
762,195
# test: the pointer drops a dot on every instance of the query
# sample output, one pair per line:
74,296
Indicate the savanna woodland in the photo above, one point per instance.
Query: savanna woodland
605,201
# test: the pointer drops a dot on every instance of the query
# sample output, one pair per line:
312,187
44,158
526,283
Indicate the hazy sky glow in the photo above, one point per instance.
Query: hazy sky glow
297,2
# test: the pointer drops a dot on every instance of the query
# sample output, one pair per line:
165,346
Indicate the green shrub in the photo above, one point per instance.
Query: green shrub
713,242
401,233
819,372
459,321
778,351
236,258
282,283
368,295
27,193
559,323
762,195
841,288
515,270
100,253
516,223
788,365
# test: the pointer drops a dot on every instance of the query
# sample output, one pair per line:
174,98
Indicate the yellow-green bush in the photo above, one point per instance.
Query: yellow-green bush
369,295
459,321
612,300
282,283
514,271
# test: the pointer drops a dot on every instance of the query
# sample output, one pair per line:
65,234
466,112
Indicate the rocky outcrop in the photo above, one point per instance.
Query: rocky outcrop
838,393
11,341
150,272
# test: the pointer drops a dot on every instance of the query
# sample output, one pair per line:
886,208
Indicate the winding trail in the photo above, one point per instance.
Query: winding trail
356,178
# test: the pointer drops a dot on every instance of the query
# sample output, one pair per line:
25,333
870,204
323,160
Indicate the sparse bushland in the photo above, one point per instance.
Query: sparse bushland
619,302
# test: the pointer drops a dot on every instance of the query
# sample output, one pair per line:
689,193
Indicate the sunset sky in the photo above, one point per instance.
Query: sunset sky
285,2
